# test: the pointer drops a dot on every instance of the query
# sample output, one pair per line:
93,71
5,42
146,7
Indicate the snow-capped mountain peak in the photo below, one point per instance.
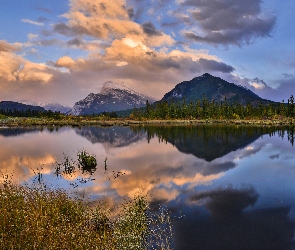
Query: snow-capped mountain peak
113,97
110,86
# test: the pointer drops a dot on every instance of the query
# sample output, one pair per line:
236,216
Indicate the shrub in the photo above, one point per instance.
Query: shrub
87,162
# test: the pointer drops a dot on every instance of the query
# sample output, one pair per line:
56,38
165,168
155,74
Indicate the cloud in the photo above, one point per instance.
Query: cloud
33,72
216,66
9,66
14,67
32,36
258,84
136,61
108,20
261,88
150,29
7,47
99,19
75,41
66,62
44,10
80,43
42,19
284,90
227,22
32,22
63,29
212,22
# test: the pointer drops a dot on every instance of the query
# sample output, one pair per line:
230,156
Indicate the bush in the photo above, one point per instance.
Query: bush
87,162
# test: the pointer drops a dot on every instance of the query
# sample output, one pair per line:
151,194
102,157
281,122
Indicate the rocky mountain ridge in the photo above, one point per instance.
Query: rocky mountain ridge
112,97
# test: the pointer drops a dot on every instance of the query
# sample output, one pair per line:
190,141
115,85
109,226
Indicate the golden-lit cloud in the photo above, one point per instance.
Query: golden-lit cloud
8,47
98,19
33,72
9,66
257,85
66,62
14,67
131,60
108,20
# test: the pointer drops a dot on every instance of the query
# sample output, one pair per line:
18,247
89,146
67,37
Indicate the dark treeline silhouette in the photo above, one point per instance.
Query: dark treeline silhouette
112,114
30,113
205,109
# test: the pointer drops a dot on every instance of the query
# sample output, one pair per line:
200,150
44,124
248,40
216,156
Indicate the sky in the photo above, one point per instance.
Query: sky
62,50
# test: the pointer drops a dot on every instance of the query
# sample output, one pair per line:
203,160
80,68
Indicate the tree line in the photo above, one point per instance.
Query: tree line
205,109
31,113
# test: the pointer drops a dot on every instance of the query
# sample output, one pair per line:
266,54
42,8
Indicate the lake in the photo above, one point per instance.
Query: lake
226,187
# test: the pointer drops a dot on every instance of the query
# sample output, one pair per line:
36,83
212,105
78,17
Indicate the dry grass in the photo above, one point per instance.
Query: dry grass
41,218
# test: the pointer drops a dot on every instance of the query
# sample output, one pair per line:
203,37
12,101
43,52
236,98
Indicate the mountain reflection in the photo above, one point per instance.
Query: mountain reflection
110,137
209,142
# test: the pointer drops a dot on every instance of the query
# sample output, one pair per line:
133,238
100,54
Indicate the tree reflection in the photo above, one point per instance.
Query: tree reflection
211,141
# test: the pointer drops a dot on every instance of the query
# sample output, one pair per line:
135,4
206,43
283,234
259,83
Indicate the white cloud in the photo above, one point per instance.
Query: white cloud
257,85
32,22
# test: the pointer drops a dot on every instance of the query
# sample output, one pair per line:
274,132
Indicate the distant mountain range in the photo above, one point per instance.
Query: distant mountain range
120,97
55,107
213,88
113,97
19,106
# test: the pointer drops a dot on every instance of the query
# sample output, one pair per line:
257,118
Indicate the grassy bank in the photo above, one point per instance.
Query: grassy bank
41,218
86,121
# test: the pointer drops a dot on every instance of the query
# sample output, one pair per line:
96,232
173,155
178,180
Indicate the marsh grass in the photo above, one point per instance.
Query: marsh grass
38,217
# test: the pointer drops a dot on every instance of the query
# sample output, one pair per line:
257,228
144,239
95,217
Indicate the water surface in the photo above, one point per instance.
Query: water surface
227,187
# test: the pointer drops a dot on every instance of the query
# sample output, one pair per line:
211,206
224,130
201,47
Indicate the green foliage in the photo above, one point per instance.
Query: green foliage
86,161
205,109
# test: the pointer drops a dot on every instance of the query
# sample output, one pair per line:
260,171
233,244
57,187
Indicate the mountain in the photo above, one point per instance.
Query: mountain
214,88
55,107
19,106
113,97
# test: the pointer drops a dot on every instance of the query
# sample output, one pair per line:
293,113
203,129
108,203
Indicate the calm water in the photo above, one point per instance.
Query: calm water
226,187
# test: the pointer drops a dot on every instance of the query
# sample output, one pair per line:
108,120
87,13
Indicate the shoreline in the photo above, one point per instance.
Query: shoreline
29,122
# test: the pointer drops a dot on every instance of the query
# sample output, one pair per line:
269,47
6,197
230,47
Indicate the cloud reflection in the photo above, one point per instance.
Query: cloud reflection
227,202
230,227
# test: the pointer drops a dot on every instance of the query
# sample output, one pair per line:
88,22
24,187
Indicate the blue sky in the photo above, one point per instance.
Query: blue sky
60,51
